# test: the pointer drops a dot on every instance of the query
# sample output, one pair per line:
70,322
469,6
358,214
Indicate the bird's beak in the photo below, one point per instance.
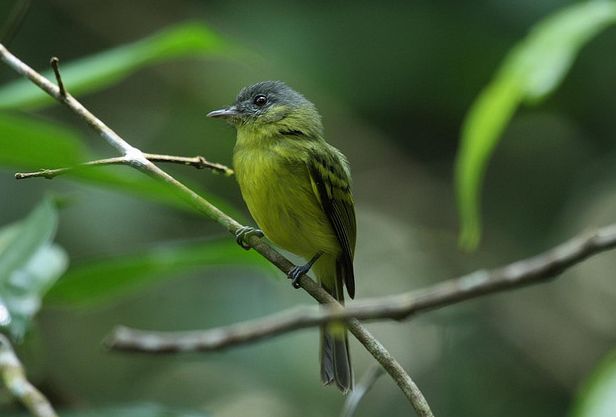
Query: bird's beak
224,113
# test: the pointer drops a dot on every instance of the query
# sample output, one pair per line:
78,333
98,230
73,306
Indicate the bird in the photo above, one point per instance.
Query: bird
297,188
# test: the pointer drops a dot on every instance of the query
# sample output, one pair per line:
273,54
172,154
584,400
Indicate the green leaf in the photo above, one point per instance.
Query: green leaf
102,280
29,265
531,71
597,398
105,68
30,144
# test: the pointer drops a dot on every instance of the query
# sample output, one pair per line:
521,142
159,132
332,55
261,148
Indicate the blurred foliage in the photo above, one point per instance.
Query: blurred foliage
531,71
596,398
146,410
40,144
103,280
46,144
101,70
29,265
393,81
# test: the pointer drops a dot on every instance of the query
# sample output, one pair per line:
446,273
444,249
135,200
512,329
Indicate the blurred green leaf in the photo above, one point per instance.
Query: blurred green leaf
597,398
29,265
31,144
102,280
142,410
105,68
531,71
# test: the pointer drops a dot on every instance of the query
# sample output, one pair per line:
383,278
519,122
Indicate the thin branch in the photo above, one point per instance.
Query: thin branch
367,382
55,62
14,377
529,271
198,162
138,160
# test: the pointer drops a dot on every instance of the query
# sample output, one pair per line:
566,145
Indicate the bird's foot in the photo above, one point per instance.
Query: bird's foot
297,271
245,232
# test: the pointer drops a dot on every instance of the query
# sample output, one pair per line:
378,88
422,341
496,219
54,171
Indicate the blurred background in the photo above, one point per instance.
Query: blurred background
393,81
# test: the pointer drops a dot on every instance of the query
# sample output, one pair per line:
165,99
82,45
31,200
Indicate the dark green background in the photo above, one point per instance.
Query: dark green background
393,81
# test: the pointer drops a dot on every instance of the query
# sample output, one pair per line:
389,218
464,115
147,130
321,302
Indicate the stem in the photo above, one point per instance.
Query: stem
14,377
367,382
198,162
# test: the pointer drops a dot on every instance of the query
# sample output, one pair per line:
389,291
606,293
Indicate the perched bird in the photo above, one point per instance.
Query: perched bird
297,188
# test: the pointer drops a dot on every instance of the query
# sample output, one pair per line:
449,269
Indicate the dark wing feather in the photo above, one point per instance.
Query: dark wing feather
332,185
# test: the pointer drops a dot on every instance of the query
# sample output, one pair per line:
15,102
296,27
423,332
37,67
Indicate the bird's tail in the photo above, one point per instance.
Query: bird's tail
335,358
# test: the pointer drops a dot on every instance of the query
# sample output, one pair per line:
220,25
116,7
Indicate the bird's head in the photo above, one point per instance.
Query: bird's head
269,108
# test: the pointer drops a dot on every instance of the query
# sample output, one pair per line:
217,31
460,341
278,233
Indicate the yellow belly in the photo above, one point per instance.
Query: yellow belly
280,198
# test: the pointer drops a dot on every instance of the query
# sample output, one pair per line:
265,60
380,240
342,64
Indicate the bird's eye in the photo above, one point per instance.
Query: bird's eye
260,100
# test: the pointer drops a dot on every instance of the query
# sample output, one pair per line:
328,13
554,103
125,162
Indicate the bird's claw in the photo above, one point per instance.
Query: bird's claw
296,273
245,232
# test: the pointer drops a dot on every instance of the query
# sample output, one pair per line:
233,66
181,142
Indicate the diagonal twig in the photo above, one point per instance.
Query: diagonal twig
365,384
55,65
137,159
14,377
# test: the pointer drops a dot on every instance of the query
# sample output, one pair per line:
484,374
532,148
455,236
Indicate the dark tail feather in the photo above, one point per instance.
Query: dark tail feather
335,361
335,357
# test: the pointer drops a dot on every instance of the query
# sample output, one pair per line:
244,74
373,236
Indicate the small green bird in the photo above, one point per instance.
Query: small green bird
297,188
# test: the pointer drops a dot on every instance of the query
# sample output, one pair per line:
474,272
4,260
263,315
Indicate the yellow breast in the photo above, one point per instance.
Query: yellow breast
277,190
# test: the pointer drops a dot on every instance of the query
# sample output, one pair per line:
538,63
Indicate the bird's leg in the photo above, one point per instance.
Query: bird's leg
297,271
244,233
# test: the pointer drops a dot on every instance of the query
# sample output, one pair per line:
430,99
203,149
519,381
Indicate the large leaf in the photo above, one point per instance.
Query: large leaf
105,68
27,143
597,398
29,264
31,144
531,71
102,280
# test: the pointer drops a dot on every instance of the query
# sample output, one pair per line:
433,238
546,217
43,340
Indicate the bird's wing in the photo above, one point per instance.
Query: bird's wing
331,183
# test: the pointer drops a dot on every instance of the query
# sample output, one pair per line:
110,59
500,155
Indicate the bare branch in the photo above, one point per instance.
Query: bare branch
138,160
515,275
367,382
198,162
56,70
14,378
52,173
